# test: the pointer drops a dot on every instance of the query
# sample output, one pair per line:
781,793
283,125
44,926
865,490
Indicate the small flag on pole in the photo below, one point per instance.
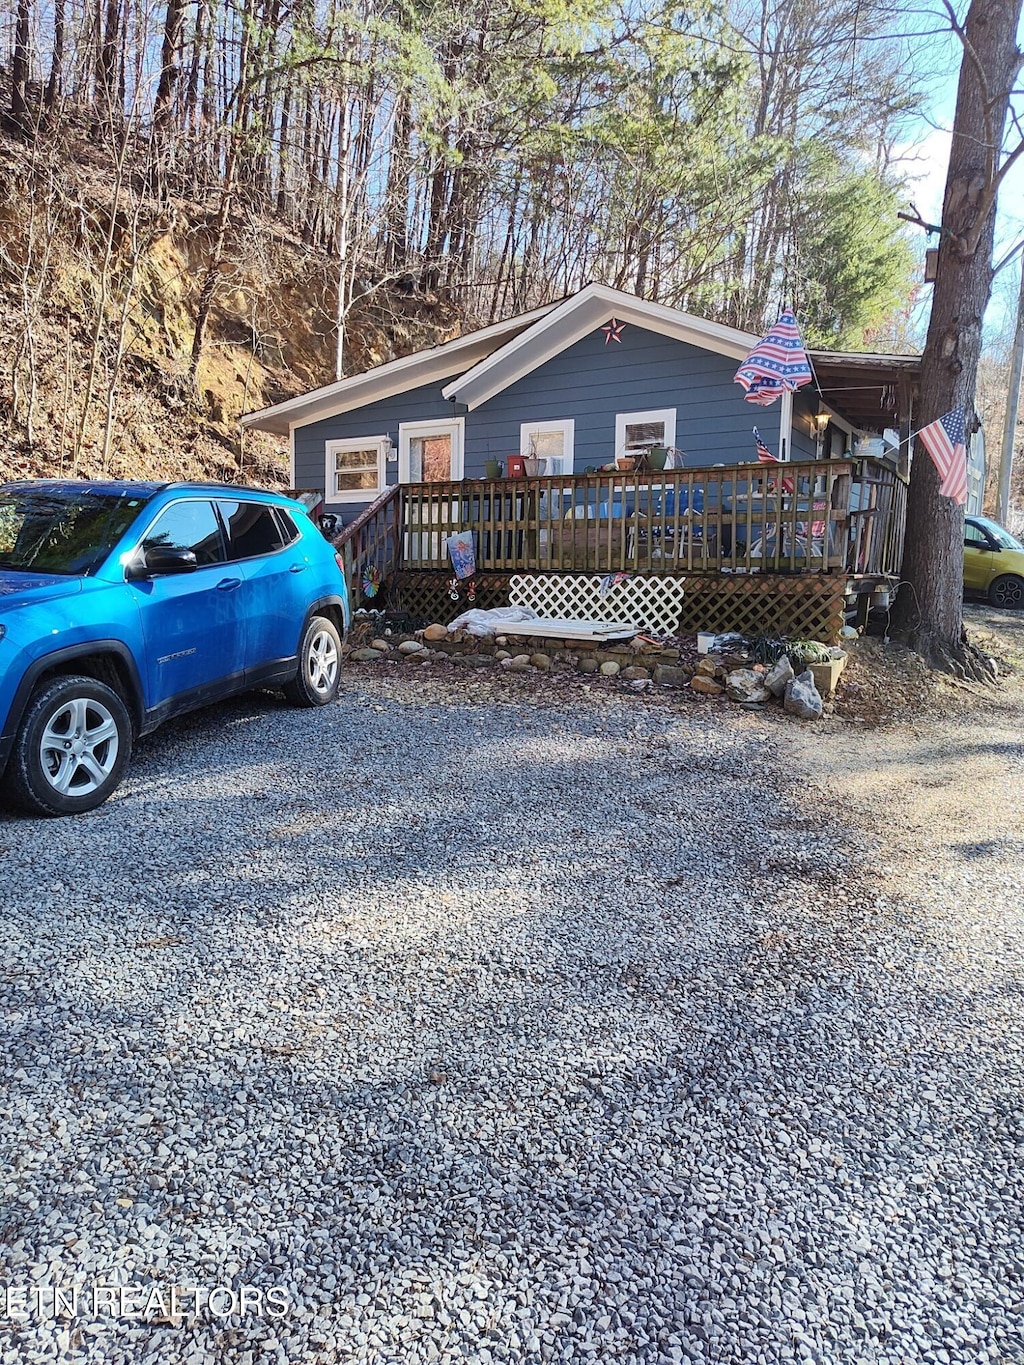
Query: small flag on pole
778,362
765,456
945,440
763,453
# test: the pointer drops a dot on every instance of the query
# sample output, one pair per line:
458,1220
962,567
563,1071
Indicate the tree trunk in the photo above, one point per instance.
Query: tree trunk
929,614
55,85
20,69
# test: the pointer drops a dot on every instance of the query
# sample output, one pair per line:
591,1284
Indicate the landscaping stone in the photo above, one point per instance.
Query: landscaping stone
636,674
707,668
588,664
743,684
367,655
410,647
502,654
779,676
706,686
610,668
436,632
383,645
802,698
519,665
669,675
541,661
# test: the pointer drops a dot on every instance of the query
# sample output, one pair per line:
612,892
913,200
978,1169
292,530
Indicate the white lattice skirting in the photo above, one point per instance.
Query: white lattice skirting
653,603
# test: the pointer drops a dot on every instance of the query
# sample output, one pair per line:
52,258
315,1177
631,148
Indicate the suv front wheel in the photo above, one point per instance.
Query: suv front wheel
71,750
319,673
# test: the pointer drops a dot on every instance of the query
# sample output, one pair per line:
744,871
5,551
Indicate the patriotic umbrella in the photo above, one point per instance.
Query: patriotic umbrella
778,362
945,440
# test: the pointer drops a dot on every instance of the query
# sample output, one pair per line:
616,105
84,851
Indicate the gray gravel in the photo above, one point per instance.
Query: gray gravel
494,1031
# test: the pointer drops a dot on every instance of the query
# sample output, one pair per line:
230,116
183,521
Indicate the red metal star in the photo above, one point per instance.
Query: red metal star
613,331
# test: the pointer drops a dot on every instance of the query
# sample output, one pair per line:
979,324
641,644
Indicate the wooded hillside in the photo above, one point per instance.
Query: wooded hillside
222,201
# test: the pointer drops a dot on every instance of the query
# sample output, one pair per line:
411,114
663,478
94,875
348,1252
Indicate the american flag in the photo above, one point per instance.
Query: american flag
945,440
765,456
763,453
778,362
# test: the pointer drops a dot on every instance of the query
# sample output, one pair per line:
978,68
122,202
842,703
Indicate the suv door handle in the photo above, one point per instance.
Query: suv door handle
228,584
296,568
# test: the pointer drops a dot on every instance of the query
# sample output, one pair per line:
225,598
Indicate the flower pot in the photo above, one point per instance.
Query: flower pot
534,467
492,469
625,462
657,457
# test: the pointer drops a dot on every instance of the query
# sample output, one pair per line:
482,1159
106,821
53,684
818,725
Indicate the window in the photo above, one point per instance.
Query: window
191,526
551,442
974,535
636,431
430,452
356,469
252,529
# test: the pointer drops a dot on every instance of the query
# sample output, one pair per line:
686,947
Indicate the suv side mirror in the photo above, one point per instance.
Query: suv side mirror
160,559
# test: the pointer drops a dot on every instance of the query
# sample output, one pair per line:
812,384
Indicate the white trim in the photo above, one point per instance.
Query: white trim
574,319
331,449
455,427
394,377
567,426
628,419
291,454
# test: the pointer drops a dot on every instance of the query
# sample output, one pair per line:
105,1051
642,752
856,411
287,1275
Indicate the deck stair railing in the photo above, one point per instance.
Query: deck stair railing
372,541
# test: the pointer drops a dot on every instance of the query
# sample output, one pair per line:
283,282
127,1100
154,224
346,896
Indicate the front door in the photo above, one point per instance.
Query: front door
428,453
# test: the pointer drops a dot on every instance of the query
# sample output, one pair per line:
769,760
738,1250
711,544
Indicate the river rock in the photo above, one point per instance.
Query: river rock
436,632
610,668
366,656
410,647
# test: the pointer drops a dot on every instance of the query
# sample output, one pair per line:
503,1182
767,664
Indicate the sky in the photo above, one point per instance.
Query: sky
926,156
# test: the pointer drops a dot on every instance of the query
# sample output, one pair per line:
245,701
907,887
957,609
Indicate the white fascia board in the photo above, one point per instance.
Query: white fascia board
571,321
384,381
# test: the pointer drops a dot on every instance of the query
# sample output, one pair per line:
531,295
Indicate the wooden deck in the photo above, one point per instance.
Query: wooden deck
805,519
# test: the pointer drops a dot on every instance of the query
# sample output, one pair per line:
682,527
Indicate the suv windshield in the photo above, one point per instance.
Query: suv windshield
62,530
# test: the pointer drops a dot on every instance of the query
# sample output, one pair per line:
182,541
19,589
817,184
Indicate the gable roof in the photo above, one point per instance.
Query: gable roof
396,376
573,319
482,364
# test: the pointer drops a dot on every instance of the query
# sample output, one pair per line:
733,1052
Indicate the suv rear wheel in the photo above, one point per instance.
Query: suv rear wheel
71,750
319,675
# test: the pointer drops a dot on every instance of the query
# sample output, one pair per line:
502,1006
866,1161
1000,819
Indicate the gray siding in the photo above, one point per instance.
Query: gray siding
589,382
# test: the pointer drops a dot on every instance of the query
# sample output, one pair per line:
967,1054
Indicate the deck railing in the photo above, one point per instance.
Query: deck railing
810,516
371,541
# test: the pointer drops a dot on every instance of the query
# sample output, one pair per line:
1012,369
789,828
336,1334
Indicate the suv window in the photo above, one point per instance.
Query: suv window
252,529
974,535
61,530
191,525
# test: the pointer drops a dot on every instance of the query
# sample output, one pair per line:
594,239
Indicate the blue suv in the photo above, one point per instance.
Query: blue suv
122,604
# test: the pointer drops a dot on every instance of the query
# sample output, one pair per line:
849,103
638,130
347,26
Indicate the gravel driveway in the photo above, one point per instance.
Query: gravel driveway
446,1025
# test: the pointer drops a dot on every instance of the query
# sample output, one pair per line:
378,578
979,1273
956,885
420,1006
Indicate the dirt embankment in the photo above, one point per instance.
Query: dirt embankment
99,285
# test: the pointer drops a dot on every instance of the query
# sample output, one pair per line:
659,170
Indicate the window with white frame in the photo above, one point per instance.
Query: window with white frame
356,469
551,442
639,431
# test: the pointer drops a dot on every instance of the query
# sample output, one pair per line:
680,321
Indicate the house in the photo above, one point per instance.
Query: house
580,384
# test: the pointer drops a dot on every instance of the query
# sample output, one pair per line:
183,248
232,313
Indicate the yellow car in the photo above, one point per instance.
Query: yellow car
993,562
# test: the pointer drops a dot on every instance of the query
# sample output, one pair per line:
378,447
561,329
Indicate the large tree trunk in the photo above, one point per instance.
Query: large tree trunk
929,613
